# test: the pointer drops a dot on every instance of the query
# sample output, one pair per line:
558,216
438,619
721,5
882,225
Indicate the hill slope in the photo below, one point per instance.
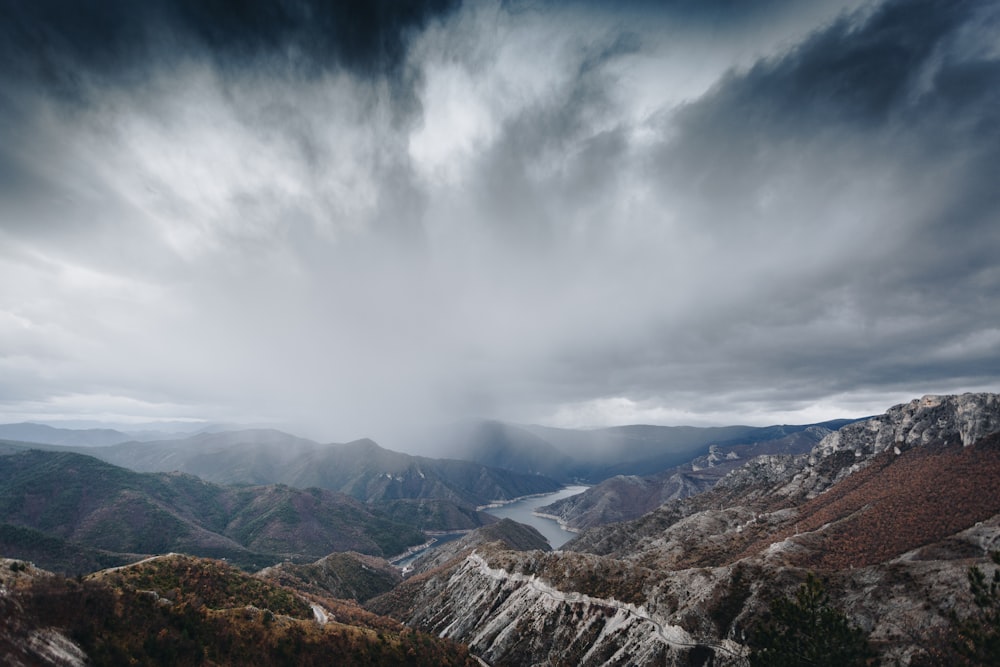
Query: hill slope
176,610
626,497
360,469
89,504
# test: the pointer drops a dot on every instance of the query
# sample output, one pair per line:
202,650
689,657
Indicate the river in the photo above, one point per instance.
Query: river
522,512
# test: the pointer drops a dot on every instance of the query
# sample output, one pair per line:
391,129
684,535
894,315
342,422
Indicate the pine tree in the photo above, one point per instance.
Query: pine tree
978,640
806,630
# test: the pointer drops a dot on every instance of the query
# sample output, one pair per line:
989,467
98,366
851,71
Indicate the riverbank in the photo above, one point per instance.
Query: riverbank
501,503
524,511
562,524
417,548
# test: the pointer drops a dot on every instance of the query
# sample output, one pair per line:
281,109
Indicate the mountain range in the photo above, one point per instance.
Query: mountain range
593,455
430,494
682,566
891,512
625,497
73,513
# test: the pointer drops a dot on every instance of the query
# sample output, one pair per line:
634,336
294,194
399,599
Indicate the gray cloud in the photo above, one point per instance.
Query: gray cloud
689,212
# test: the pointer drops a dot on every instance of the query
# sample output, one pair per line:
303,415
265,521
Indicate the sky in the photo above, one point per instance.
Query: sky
353,218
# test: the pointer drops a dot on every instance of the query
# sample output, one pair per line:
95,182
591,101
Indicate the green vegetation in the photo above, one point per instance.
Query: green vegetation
431,513
731,602
977,640
213,583
806,630
346,576
73,513
54,553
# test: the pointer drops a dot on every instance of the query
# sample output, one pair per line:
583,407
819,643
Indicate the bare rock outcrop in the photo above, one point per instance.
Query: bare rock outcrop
931,420
892,511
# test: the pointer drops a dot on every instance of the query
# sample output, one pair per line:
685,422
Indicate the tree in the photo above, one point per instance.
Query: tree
806,630
978,636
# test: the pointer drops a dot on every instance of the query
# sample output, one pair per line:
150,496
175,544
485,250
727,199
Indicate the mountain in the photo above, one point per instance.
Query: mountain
890,512
591,456
626,497
345,576
504,535
508,533
177,610
93,434
56,553
433,514
360,469
49,435
65,509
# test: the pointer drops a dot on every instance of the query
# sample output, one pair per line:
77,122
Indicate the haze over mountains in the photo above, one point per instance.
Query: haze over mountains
50,435
62,505
98,513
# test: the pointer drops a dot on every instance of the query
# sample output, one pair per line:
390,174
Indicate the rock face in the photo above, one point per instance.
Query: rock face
179,610
626,497
891,511
966,418
942,420
562,609
22,642
516,618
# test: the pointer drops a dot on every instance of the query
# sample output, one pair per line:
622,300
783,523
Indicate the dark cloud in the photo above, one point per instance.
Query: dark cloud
566,212
846,191
892,95
866,73
713,13
67,44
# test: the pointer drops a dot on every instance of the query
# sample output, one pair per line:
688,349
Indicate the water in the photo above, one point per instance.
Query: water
521,511
438,541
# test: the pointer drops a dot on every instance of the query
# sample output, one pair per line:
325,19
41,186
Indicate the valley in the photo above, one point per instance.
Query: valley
891,512
526,511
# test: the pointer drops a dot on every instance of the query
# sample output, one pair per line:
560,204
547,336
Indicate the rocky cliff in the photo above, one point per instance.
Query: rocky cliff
506,533
626,497
891,512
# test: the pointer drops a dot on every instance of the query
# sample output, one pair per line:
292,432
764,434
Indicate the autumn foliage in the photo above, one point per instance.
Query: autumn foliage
896,504
186,611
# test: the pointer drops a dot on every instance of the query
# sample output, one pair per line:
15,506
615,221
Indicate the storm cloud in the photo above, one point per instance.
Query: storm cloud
352,218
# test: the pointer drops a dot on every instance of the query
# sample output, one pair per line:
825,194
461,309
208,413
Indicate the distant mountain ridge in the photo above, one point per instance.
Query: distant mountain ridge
593,455
361,469
49,435
97,436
